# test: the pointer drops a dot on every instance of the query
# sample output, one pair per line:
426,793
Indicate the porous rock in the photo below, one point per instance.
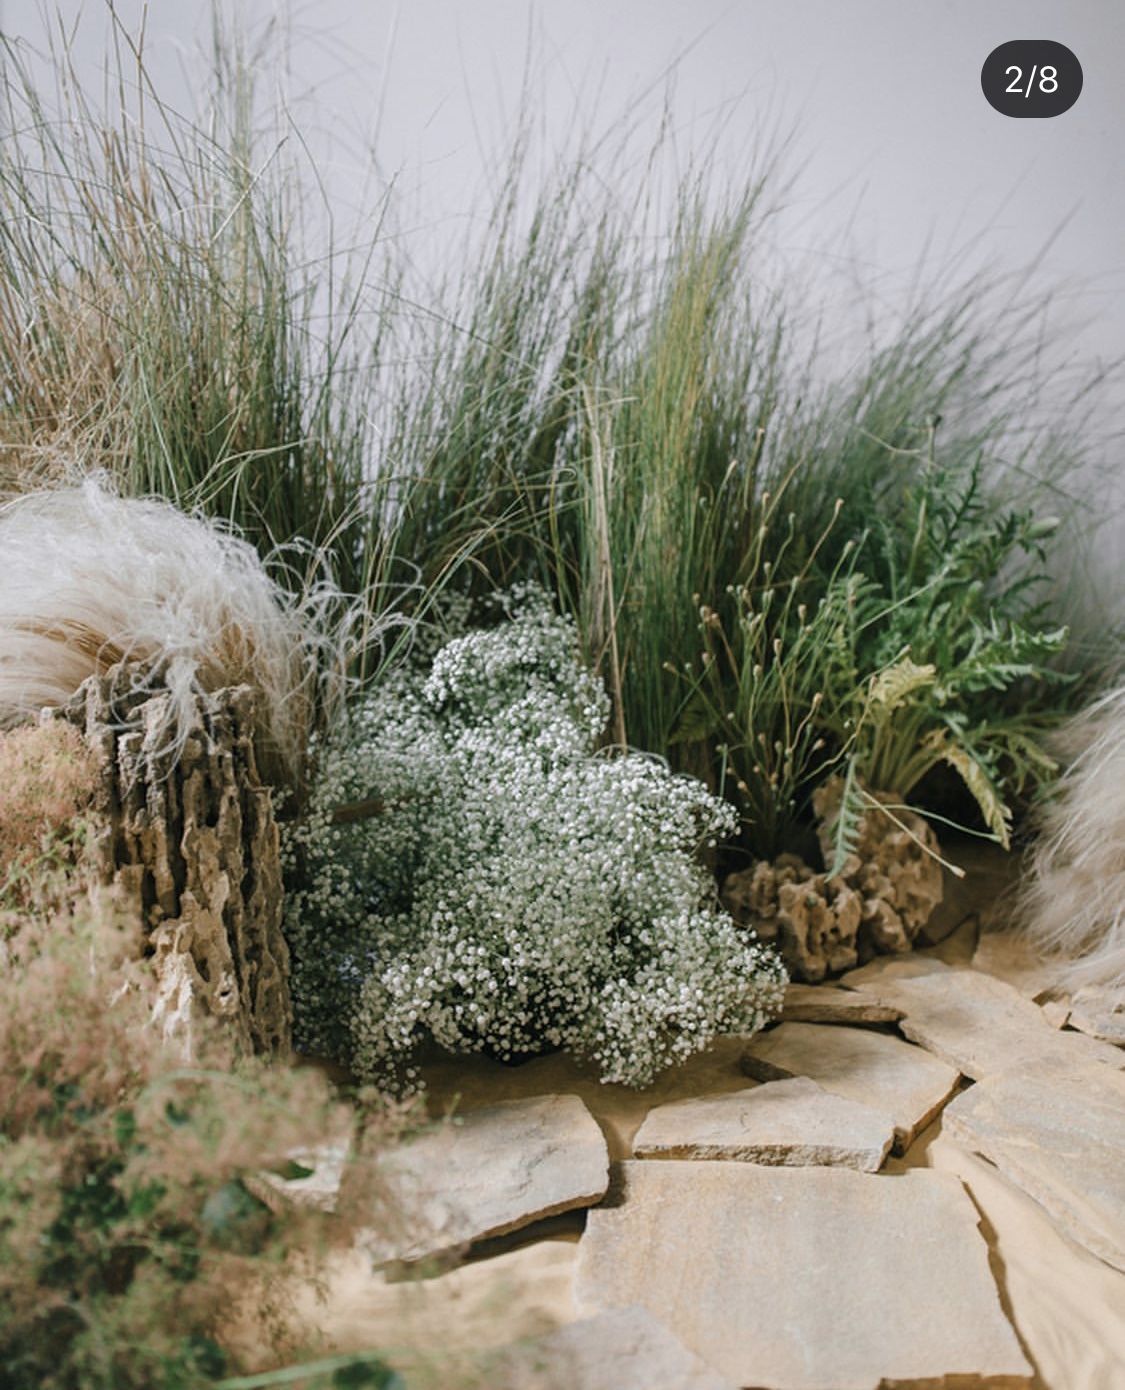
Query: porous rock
189,837
811,920
894,862
878,903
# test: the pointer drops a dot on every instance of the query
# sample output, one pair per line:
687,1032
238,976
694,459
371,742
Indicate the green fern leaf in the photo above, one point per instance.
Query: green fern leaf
846,827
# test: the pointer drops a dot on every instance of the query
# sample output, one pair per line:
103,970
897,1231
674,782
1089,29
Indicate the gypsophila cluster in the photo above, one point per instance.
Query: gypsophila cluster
472,869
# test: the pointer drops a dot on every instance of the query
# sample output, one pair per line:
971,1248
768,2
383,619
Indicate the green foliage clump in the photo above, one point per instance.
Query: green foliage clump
924,644
475,870
125,1226
606,395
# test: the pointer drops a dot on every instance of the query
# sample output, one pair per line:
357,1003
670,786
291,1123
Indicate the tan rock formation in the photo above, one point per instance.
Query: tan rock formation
193,843
878,904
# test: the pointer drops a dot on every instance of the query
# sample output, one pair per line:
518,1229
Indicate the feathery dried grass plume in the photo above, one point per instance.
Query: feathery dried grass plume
92,580
1073,906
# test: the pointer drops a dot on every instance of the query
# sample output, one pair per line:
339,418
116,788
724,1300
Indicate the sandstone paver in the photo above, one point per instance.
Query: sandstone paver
871,1068
794,1122
487,1172
976,1022
1060,1135
827,1004
620,1350
805,1278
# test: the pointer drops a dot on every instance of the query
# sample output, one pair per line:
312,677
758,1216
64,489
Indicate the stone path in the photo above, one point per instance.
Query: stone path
873,1069
746,1223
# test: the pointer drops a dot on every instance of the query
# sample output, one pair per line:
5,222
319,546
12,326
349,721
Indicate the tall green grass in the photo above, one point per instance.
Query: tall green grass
607,394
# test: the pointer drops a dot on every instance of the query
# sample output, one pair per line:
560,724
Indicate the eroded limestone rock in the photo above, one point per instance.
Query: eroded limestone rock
895,863
878,903
189,837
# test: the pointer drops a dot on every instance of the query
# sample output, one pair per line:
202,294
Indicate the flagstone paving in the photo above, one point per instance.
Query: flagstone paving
757,1235
1060,1135
828,1004
976,1022
620,1350
490,1171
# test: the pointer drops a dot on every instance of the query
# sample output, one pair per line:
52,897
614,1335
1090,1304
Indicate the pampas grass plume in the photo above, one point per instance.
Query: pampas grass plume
91,579
1073,905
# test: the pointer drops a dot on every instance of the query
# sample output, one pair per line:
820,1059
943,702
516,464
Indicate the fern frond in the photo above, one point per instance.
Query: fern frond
846,827
890,688
996,813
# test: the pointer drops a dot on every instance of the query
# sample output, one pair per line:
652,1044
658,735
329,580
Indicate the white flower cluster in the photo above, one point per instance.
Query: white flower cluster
514,889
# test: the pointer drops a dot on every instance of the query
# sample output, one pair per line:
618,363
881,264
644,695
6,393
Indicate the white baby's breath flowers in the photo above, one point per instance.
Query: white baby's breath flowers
515,889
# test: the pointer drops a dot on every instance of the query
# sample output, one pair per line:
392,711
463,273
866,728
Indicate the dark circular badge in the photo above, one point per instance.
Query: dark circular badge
1031,78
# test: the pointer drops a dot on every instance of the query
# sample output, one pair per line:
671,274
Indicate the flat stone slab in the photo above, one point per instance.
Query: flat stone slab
1011,957
827,1004
876,977
794,1122
487,1172
975,1022
1060,1135
1099,1013
621,1350
805,1278
869,1068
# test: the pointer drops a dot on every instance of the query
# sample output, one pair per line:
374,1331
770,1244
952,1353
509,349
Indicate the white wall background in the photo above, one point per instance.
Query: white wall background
899,161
